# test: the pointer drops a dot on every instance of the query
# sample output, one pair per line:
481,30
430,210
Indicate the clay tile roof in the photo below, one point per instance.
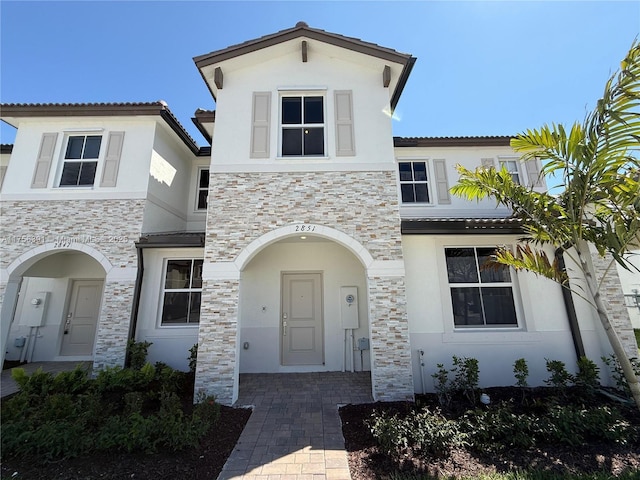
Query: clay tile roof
160,107
6,148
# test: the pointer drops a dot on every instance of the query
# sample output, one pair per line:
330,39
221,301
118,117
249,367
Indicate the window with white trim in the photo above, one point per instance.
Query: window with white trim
80,160
182,292
512,168
202,189
481,296
414,182
302,120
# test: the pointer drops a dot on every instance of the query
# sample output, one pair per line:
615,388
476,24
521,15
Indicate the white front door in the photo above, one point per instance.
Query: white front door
301,328
82,318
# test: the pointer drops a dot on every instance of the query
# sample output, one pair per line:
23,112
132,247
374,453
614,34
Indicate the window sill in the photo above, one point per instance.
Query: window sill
304,158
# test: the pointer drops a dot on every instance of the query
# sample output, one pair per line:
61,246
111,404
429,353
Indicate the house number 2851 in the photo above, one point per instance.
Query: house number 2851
305,228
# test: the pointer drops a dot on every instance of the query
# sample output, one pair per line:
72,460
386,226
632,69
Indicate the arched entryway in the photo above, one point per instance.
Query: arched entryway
52,302
226,310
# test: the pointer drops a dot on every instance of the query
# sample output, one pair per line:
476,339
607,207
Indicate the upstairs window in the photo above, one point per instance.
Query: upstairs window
203,189
303,126
414,182
512,168
80,160
182,292
481,297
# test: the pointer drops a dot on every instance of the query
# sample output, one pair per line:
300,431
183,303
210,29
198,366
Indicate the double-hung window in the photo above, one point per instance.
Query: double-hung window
80,160
481,296
512,168
414,182
182,292
202,189
303,126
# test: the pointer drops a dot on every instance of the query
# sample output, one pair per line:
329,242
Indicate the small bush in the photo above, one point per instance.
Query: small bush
618,376
423,433
521,372
588,376
441,383
137,354
193,358
559,377
466,377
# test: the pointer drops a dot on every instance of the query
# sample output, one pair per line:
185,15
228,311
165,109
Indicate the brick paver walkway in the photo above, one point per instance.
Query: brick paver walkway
295,432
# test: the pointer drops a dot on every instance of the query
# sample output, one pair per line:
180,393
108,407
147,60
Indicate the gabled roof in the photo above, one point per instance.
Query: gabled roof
25,110
303,30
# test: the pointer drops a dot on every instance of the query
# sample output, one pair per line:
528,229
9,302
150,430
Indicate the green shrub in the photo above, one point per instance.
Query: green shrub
521,372
442,386
588,375
559,377
422,433
466,376
618,376
137,354
193,358
120,410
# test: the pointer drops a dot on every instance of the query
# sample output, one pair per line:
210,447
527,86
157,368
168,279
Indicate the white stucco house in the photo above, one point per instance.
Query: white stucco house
304,238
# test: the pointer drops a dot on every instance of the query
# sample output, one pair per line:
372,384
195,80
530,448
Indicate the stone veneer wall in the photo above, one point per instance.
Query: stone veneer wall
613,296
389,340
244,206
108,226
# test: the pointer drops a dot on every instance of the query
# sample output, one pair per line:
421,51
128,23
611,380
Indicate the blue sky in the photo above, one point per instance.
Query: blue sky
483,68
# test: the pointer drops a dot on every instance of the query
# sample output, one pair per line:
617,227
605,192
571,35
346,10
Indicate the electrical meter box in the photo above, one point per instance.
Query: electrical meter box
34,310
349,307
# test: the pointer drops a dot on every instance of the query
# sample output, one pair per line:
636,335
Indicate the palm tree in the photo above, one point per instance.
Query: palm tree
599,206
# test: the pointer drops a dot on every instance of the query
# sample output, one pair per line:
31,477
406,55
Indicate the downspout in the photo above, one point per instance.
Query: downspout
570,307
136,299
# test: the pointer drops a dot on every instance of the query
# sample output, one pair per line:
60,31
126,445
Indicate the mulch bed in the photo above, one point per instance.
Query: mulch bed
206,462
366,461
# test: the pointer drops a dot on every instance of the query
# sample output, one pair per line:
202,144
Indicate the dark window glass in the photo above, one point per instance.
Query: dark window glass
87,173
194,310
467,308
422,193
292,141
178,274
292,110
314,141
92,146
490,273
407,193
70,173
204,179
176,307
420,171
313,111
461,265
203,195
196,281
499,308
74,148
405,172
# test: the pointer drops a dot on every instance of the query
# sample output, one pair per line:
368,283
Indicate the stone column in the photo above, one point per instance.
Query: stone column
391,373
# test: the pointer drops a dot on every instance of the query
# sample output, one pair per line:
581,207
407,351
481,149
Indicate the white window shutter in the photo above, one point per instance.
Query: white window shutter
43,162
442,182
534,176
345,142
488,162
260,125
112,159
